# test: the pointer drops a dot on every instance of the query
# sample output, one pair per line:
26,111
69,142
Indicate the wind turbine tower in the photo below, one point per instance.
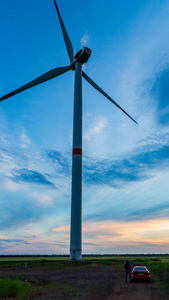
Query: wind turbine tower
76,62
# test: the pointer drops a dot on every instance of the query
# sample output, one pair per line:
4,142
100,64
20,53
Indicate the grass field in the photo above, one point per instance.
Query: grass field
158,264
15,289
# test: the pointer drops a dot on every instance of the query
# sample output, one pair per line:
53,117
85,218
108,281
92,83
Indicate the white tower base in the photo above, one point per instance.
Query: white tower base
75,254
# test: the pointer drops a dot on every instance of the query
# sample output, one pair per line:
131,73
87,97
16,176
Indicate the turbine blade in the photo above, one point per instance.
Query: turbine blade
46,76
68,43
106,95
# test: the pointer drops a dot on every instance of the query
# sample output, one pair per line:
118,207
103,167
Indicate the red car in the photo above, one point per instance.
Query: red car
140,273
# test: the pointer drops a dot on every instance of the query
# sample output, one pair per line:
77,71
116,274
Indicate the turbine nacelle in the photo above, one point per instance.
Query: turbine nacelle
82,55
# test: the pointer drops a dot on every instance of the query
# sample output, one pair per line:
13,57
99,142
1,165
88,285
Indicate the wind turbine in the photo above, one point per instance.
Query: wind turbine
76,62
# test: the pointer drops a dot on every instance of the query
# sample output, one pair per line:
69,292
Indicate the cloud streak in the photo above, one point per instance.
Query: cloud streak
160,93
133,166
30,176
85,40
120,236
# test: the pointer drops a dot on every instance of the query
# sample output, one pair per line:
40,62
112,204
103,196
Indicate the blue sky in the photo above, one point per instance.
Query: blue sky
125,166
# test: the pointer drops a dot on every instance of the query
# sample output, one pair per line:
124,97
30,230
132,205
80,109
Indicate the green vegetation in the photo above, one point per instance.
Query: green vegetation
7,261
15,289
66,288
161,269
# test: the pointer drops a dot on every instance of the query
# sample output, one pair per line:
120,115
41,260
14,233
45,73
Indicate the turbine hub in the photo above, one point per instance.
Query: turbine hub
82,55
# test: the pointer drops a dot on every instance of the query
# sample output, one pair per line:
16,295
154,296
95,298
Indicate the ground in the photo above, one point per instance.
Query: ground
84,283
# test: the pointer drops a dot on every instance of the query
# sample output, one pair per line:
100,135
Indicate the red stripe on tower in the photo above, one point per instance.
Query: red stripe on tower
77,151
7,96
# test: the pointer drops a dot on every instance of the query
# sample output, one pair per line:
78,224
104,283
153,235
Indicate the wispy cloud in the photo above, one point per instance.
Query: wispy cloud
31,176
112,236
139,165
130,167
61,161
24,140
160,94
85,40
96,128
95,133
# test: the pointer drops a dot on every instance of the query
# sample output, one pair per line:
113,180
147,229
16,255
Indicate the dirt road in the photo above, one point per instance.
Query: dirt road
84,283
